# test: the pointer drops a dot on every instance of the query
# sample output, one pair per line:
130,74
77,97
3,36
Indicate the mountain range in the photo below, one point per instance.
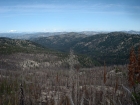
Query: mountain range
30,35
91,49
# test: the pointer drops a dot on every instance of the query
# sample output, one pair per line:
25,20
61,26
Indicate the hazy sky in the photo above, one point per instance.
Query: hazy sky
69,15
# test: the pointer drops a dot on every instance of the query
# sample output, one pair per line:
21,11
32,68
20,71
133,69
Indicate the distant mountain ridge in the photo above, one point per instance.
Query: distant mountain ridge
27,35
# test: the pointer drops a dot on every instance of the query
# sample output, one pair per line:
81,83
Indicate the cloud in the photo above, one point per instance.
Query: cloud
45,8
48,7
33,7
13,31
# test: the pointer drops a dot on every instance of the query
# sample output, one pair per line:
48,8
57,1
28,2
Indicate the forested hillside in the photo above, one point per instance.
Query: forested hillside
111,47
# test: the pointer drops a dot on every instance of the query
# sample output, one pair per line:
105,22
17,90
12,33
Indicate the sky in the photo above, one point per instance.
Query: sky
69,15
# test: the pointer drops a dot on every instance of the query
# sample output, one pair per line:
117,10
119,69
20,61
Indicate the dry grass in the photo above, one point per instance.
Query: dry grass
82,87
106,85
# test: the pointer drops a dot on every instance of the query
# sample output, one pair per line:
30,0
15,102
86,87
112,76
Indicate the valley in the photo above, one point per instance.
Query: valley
70,69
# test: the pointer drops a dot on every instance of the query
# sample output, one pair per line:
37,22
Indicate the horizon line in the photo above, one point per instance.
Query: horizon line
69,31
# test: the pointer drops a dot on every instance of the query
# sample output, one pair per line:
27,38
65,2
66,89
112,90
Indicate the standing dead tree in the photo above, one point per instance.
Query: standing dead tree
134,68
134,74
